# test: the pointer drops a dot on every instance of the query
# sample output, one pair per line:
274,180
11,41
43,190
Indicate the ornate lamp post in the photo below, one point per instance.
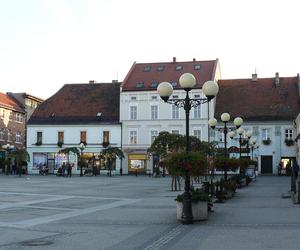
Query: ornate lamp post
253,146
248,135
81,147
210,88
225,118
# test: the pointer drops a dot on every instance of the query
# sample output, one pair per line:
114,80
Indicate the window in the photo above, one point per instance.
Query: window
175,112
2,113
266,134
154,84
160,68
147,68
39,137
105,136
19,117
60,137
197,112
197,66
153,135
9,136
133,137
140,85
178,67
197,133
133,112
83,136
175,131
288,134
1,134
154,112
154,97
133,98
18,137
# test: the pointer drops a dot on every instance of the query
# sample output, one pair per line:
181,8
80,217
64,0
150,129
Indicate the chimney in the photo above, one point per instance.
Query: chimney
114,81
194,59
174,59
276,79
92,81
254,77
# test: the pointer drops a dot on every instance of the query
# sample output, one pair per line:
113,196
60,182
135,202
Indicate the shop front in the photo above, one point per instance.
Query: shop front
137,163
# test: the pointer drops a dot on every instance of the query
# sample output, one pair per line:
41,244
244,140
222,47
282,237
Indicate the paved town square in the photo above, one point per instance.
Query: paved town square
128,212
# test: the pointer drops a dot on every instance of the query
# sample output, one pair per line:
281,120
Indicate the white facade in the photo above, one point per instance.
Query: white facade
72,138
143,115
297,136
268,156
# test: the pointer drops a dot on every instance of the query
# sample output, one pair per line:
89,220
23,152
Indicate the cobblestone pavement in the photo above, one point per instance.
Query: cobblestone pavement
128,212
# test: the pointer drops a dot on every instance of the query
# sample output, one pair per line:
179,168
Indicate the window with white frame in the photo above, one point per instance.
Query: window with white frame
153,135
1,134
266,134
133,113
2,113
19,117
288,134
9,136
175,112
132,136
154,112
197,112
197,133
39,137
18,137
175,131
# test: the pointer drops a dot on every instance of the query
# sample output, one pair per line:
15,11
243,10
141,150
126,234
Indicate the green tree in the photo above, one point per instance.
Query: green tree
110,154
20,157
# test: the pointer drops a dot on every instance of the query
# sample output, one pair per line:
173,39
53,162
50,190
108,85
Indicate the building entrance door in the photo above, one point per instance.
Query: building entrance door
50,164
267,164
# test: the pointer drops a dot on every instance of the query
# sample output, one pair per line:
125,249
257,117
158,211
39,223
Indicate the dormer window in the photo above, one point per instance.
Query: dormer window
140,85
174,84
178,67
147,68
154,97
99,114
154,84
160,68
133,98
197,66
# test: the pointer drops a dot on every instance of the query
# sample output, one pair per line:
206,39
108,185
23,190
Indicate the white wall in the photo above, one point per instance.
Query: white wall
94,138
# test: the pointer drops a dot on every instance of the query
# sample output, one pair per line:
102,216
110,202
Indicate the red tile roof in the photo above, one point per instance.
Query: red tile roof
80,104
259,100
146,76
7,102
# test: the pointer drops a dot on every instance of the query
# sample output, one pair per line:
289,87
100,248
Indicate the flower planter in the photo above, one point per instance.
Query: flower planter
199,209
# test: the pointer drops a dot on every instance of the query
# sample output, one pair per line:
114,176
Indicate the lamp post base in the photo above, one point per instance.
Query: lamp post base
187,213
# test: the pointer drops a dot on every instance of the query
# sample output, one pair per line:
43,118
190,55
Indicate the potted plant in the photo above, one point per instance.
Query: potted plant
200,202
38,143
105,144
289,142
267,141
59,144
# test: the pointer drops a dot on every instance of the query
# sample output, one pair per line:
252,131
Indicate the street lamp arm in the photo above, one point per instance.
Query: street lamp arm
180,103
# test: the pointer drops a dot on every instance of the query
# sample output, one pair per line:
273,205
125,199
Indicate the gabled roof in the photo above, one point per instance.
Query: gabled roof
259,100
146,76
80,104
8,102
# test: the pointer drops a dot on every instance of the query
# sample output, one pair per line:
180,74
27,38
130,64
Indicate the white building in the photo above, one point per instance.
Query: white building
268,107
143,114
87,113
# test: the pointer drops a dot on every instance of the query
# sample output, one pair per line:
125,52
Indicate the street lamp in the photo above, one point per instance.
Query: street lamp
81,147
8,148
210,89
225,118
248,135
253,146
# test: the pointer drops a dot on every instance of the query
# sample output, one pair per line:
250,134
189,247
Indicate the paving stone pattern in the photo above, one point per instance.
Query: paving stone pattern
128,212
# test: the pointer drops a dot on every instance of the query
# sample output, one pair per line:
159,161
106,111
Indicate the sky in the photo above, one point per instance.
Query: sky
47,43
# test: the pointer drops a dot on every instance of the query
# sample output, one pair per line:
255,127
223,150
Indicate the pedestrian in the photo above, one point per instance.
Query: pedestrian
69,170
295,169
63,169
279,167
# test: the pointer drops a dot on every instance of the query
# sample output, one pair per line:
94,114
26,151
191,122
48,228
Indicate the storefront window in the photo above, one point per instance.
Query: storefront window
60,159
137,162
39,160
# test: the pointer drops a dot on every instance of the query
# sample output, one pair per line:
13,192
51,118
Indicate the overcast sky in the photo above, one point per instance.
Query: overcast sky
46,43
